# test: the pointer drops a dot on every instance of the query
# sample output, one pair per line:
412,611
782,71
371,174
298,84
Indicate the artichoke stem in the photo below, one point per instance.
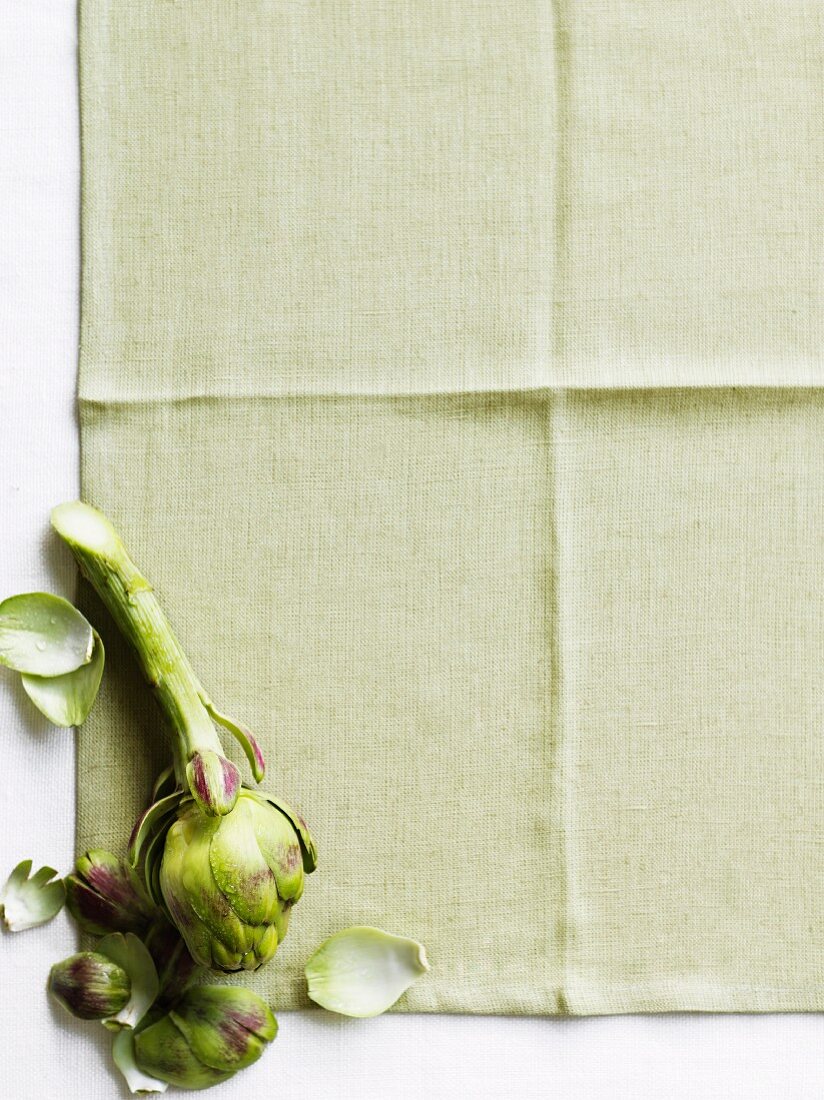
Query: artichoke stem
129,597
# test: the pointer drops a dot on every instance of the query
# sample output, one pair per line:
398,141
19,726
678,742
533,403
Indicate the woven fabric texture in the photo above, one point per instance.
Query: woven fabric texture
385,311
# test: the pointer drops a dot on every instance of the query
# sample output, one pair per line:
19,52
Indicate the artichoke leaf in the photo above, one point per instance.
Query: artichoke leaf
43,634
67,700
27,902
149,821
133,956
151,866
307,845
165,784
137,1081
242,734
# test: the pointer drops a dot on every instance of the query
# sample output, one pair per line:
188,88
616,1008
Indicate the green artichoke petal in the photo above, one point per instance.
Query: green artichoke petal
68,699
123,1057
222,958
268,943
307,845
179,905
281,848
27,902
213,781
226,1027
195,902
362,971
43,635
165,784
151,866
241,869
162,1051
156,817
134,957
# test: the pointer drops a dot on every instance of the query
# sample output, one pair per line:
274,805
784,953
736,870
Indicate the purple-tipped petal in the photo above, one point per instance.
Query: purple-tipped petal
214,782
243,735
259,767
307,844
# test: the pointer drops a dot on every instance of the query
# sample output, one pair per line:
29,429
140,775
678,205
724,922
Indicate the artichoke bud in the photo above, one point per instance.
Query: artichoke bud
103,895
212,1032
229,882
214,782
90,986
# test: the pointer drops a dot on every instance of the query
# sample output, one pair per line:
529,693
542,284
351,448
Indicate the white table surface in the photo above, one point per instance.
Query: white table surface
47,1055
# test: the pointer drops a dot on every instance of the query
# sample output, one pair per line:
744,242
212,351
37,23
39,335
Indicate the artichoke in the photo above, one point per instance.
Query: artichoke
103,895
210,1034
226,863
90,986
228,883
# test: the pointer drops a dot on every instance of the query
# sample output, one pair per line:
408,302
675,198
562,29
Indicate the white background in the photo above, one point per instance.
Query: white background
45,1053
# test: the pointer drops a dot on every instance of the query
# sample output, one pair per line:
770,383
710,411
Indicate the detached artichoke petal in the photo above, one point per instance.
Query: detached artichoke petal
362,971
133,956
68,699
43,634
28,902
137,1081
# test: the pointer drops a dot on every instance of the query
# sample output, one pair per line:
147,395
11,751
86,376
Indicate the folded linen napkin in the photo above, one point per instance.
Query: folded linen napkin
409,339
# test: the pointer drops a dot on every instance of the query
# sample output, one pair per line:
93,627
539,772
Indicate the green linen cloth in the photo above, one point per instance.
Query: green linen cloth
384,308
